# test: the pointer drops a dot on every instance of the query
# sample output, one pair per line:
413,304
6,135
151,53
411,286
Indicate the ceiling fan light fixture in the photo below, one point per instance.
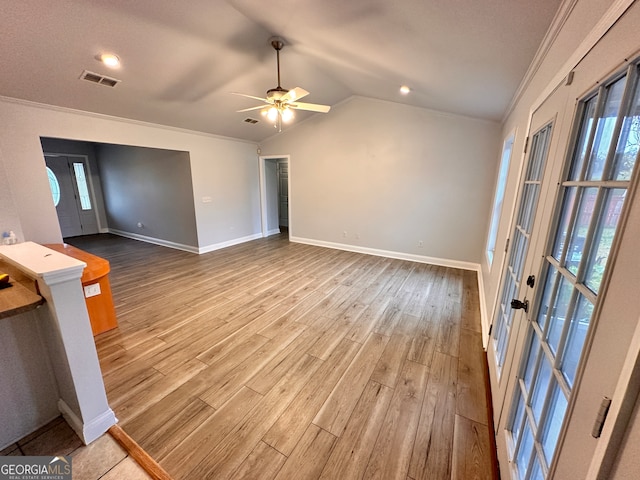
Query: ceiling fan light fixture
287,114
272,114
404,90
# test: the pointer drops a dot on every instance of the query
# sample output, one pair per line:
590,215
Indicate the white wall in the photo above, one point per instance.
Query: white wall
224,169
391,176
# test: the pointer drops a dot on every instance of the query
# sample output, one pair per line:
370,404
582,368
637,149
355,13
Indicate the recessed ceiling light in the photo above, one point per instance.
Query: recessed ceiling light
404,90
109,59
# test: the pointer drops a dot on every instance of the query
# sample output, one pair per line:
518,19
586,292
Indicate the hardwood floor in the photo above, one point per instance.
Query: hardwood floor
279,360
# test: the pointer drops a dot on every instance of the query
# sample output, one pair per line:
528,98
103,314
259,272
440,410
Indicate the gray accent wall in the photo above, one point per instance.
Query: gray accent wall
151,187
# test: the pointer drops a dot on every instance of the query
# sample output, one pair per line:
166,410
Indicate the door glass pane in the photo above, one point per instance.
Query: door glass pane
583,139
584,214
546,299
536,471
531,362
629,143
563,229
530,199
81,182
540,388
559,314
605,130
519,417
604,237
524,453
553,422
579,326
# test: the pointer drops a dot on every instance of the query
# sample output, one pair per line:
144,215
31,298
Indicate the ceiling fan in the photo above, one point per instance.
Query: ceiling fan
280,101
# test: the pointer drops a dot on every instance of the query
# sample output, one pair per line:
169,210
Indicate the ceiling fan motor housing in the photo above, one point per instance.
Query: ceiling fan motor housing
276,93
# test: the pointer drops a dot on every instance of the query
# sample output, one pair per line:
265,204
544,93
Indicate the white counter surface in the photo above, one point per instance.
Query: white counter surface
39,261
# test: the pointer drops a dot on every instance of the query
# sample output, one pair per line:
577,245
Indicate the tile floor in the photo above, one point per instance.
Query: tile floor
103,459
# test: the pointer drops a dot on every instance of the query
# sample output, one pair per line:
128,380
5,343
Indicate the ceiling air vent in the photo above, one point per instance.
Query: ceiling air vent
99,79
252,121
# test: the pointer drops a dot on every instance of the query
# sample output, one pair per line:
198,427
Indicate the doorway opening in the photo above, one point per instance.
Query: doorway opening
72,193
275,206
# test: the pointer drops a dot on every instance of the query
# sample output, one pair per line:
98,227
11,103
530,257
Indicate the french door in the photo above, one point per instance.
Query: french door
576,247
516,283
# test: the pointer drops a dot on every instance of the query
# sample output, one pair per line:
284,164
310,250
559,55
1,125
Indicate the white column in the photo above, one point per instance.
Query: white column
68,336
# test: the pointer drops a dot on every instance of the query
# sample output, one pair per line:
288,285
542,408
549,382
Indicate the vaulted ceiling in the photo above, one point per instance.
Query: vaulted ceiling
180,60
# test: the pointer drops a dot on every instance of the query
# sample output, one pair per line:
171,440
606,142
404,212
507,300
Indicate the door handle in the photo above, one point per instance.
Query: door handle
518,305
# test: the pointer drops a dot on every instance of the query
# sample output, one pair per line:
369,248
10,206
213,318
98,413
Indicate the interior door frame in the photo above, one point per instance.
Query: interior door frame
262,160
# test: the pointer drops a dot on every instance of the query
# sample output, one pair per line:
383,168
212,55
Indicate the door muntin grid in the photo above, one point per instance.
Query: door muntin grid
520,242
590,203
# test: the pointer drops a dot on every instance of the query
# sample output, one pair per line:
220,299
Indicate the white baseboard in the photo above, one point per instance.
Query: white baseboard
275,231
229,243
187,248
484,318
155,241
88,432
442,262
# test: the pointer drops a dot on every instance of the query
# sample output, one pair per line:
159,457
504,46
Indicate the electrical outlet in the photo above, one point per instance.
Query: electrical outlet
344,234
420,244
92,290
357,236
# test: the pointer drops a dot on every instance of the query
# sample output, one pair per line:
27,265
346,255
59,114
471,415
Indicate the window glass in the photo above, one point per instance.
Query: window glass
55,186
499,197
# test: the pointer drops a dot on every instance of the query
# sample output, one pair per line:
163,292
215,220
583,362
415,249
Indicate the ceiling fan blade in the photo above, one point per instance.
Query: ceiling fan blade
251,108
251,96
294,94
312,107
